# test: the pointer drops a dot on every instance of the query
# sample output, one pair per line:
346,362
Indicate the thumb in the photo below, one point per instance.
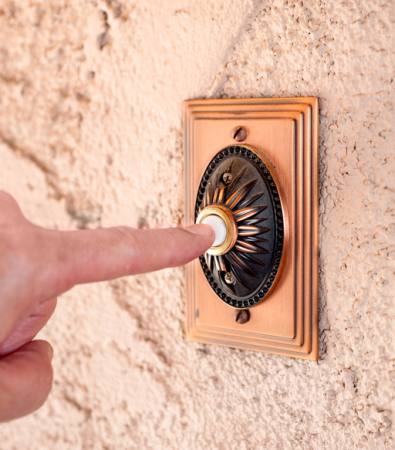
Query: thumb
25,379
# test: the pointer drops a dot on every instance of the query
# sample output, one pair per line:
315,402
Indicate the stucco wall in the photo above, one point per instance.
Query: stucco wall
90,135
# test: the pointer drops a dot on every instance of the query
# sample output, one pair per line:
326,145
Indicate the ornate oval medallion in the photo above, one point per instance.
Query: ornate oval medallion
238,187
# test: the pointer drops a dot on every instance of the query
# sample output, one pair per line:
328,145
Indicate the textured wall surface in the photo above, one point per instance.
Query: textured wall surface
91,135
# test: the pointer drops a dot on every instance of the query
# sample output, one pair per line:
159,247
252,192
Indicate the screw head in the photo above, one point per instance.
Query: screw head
227,178
229,278
239,134
242,316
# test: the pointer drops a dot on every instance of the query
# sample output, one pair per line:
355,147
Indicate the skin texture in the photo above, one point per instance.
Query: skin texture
37,265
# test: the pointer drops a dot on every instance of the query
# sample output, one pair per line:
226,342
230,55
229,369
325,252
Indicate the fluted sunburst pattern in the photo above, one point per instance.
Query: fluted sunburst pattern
250,238
238,180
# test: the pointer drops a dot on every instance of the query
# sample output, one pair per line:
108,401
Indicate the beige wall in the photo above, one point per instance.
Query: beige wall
90,135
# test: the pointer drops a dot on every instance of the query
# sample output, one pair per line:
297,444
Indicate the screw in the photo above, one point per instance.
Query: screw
239,134
229,278
227,177
243,316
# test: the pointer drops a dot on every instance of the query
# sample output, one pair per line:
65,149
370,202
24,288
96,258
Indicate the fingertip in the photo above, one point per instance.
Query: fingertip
42,346
190,245
203,231
38,355
26,377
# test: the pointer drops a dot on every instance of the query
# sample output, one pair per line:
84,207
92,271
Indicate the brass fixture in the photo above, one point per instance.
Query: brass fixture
238,187
258,290
230,224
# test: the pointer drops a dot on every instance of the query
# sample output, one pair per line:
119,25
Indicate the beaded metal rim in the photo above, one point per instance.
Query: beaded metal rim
259,294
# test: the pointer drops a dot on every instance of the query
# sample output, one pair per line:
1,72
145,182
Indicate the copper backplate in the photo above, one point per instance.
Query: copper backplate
283,132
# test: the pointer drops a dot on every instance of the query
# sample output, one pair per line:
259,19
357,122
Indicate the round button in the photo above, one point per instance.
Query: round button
221,219
219,227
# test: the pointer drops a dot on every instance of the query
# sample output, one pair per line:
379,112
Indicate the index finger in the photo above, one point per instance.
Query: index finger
95,255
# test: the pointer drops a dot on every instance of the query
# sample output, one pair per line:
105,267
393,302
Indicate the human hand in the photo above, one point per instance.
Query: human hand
36,265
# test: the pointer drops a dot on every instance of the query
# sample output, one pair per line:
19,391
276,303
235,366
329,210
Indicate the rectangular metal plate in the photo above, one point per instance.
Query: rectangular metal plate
283,131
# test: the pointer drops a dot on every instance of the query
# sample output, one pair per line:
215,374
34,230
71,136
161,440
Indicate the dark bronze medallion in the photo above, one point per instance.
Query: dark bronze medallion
238,187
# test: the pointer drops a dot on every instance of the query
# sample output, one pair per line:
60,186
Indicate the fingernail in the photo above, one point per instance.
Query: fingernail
201,229
50,351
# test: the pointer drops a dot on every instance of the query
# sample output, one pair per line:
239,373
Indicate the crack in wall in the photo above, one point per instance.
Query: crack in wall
81,218
220,78
104,38
119,288
160,375
31,156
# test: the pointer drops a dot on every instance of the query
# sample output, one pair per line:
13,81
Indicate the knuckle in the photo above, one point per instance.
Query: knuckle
127,236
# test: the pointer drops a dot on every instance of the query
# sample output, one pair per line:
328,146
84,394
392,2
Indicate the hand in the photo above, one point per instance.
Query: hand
36,265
